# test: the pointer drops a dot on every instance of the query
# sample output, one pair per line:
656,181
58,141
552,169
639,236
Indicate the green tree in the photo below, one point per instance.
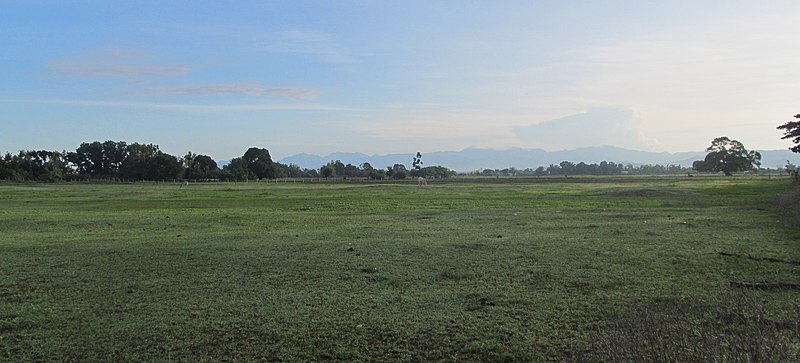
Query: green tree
201,167
237,169
351,170
327,171
41,165
398,171
136,165
567,168
260,163
435,172
791,130
728,156
7,171
291,170
338,168
376,174
163,166
148,162
99,160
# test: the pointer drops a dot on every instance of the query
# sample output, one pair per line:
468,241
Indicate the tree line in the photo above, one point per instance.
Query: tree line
566,168
121,161
118,160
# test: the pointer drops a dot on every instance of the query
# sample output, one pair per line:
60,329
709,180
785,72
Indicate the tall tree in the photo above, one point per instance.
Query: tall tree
136,165
238,169
199,167
397,171
99,160
148,162
728,156
260,163
327,171
791,130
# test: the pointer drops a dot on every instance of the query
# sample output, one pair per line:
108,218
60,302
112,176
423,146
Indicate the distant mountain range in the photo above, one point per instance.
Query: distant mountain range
471,159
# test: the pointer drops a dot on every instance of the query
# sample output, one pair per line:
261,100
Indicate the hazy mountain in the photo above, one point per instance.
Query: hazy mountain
471,159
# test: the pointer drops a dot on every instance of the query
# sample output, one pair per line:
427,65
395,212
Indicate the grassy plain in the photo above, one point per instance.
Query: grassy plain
363,272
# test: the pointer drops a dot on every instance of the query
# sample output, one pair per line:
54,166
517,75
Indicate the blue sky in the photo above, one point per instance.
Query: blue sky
383,77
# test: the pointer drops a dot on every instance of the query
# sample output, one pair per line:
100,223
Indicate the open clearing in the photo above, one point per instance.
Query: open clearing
363,272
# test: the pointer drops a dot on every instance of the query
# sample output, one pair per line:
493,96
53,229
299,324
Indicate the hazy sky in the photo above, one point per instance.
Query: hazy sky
217,77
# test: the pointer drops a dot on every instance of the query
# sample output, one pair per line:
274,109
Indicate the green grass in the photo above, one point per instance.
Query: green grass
363,272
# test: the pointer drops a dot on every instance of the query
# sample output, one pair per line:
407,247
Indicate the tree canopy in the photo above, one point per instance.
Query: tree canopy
791,130
728,156
260,163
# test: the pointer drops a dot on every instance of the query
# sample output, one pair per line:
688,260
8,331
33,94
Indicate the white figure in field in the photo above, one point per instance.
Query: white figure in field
185,183
422,181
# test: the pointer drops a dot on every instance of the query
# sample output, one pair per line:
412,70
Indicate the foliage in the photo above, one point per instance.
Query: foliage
260,163
148,162
433,172
397,171
199,167
99,160
728,156
791,130
327,171
237,169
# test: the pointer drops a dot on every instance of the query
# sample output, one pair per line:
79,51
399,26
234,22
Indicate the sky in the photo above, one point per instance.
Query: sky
381,77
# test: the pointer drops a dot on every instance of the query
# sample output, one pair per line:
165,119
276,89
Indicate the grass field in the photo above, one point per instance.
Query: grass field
650,270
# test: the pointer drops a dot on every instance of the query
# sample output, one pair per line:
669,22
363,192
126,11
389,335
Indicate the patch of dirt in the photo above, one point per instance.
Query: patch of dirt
753,258
782,286
646,192
13,292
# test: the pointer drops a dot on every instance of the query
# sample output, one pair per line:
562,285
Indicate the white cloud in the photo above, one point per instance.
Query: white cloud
232,89
597,127
704,77
189,107
318,44
116,63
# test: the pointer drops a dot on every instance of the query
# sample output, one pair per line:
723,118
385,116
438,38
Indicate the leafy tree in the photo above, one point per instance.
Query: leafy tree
567,168
291,170
327,171
200,167
398,171
164,166
367,168
435,172
338,168
237,169
351,170
791,130
376,174
260,163
728,156
136,165
99,160
7,171
41,165
148,162
790,168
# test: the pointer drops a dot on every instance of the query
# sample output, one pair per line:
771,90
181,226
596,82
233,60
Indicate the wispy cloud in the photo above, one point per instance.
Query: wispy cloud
188,107
309,42
116,63
231,89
